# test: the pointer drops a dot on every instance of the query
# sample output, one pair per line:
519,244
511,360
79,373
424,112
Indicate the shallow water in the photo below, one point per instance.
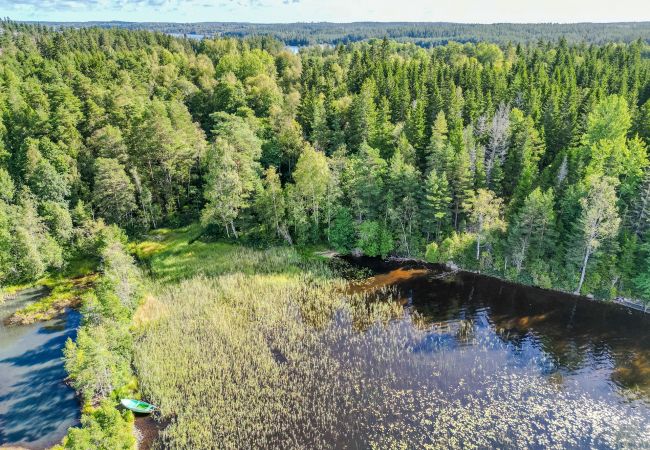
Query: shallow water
497,352
36,406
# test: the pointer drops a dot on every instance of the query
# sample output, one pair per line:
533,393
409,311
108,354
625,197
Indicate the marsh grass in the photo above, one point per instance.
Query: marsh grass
260,349
66,291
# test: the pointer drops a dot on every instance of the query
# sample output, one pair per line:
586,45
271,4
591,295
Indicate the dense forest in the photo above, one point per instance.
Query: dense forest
424,34
524,161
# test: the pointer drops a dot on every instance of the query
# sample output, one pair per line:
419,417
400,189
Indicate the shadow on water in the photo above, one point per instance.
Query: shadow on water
36,406
604,347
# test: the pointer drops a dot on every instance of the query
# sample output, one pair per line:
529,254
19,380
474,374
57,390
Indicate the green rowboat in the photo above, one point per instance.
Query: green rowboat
137,406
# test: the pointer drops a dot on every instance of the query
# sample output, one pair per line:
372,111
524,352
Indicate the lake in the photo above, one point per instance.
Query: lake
475,360
36,406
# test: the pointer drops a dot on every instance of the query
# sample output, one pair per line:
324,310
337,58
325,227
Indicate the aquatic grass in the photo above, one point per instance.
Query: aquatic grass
64,293
293,359
66,289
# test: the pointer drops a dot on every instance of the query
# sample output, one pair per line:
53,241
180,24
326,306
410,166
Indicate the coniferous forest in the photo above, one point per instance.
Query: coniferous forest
527,161
421,33
183,194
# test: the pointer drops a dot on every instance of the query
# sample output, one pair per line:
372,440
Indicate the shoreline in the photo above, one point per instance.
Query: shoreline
451,267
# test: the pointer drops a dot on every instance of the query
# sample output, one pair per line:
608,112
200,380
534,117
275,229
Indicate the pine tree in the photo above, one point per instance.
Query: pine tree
363,117
415,127
437,155
531,233
403,208
437,205
520,168
460,180
363,180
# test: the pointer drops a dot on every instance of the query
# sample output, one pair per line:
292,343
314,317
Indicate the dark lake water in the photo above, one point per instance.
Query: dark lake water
36,406
499,364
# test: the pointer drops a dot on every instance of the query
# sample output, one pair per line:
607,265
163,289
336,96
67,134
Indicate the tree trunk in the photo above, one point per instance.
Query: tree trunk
283,232
584,269
478,238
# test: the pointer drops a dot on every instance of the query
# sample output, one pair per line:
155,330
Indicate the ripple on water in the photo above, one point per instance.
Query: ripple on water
36,406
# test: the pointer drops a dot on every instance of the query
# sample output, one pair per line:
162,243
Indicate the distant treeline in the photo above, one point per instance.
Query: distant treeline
421,33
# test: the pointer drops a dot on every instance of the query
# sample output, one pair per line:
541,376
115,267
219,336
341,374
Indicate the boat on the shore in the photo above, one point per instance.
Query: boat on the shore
137,406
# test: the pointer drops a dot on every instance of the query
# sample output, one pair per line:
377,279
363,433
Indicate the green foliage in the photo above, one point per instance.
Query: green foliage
458,248
432,253
642,281
144,130
532,231
485,216
374,239
99,361
342,232
599,220
113,192
312,180
104,428
421,33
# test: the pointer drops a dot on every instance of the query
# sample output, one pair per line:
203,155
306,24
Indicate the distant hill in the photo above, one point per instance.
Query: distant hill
424,33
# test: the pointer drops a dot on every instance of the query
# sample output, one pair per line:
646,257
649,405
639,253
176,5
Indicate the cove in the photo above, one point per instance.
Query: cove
36,406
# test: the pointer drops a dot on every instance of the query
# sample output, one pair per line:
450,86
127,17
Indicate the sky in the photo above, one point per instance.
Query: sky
271,11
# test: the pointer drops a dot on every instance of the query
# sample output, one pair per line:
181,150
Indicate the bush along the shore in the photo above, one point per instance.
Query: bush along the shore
99,362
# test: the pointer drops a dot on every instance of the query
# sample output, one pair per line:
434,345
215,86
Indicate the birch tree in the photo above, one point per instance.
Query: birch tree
485,215
599,220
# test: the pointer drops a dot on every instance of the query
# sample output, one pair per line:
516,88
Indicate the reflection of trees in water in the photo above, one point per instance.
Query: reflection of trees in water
573,333
36,407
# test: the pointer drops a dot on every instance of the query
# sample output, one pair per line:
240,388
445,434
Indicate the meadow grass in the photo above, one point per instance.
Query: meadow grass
172,255
247,348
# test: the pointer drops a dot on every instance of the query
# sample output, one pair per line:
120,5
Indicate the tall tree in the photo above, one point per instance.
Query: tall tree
312,178
531,233
437,205
485,215
599,220
271,205
113,192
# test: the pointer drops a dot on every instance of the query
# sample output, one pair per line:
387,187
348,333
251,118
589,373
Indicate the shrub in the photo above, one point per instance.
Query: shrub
342,233
375,239
458,248
105,428
432,254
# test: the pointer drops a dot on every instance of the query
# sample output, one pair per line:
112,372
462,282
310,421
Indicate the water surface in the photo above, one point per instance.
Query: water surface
485,362
36,406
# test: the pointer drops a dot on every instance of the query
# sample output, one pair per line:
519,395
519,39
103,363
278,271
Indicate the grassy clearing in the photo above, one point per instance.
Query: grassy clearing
175,255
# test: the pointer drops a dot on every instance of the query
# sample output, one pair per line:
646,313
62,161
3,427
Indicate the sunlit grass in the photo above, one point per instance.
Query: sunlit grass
65,293
175,255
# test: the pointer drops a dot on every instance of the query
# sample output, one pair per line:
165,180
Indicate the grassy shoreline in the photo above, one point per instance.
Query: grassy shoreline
64,293
266,347
66,289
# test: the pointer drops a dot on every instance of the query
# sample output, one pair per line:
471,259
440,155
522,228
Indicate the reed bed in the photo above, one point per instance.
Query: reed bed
244,348
291,359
